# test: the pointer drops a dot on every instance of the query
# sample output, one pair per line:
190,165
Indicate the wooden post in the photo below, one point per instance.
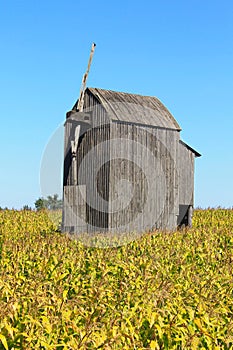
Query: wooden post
84,81
74,146
74,143
190,215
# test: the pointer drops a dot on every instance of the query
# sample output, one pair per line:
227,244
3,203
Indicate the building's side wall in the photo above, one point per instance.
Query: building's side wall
92,213
186,175
93,172
98,118
67,175
92,183
74,209
185,163
143,190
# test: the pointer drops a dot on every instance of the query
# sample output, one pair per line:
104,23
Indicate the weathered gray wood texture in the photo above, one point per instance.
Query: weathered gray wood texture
133,170
185,165
148,167
134,108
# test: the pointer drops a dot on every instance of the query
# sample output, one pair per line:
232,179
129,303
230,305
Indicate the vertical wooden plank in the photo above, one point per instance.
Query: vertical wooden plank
186,175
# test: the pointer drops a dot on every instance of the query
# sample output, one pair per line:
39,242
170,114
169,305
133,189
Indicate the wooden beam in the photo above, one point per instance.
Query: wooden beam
84,81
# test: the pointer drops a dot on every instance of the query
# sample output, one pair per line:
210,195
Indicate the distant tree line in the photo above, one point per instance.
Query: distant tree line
3,208
25,207
51,203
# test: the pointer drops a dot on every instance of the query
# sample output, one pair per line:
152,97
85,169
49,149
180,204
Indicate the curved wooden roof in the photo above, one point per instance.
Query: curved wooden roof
133,108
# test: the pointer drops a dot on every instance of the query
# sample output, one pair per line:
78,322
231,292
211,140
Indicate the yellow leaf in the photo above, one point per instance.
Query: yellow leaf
114,331
152,319
46,324
10,330
197,322
66,314
153,345
195,342
4,341
63,276
159,330
64,294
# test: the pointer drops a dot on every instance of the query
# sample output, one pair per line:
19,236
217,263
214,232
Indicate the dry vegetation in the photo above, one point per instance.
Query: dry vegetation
164,291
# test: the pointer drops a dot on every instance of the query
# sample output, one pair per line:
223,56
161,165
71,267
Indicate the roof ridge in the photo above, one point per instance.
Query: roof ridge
123,92
156,109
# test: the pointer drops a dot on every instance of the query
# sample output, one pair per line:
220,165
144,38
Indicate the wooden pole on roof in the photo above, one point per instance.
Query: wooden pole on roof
84,81
74,143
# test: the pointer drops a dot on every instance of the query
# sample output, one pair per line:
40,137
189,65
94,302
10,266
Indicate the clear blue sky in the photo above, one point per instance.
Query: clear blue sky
180,51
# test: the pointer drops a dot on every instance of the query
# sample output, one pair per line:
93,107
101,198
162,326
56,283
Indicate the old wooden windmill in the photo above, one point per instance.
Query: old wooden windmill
125,166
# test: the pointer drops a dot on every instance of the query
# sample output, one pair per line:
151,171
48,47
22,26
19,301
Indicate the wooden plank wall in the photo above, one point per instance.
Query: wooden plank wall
74,214
93,174
96,210
185,160
139,182
91,104
154,181
67,175
136,186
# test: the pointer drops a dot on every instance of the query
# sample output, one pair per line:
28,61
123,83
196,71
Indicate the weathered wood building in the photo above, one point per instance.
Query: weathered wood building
125,168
